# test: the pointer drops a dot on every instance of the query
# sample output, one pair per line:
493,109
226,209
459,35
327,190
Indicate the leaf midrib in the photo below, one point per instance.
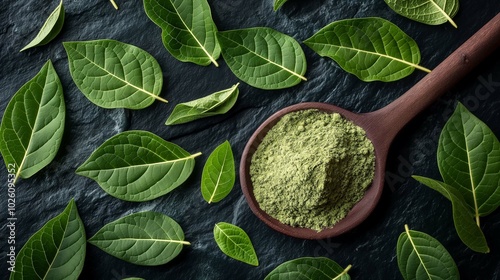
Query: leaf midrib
195,38
416,251
218,177
183,242
378,54
59,246
469,165
448,18
269,61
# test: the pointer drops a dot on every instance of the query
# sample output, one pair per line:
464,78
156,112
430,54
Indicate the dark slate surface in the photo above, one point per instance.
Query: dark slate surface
370,248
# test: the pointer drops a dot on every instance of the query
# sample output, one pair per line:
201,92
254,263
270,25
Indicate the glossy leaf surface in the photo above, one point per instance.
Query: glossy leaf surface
373,49
188,30
138,166
469,160
214,104
50,28
431,12
33,123
263,57
145,238
112,74
56,251
235,243
219,174
420,256
278,4
309,268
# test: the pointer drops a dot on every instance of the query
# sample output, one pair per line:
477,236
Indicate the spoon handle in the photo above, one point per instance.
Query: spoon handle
448,73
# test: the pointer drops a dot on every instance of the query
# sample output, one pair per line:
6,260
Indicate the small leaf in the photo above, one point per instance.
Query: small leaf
420,256
145,238
469,160
310,268
463,218
113,74
431,12
264,58
278,4
138,166
217,103
33,123
235,243
56,251
373,49
219,174
188,30
50,28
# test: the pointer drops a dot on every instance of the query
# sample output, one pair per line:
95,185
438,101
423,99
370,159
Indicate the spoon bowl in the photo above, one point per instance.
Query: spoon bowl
381,127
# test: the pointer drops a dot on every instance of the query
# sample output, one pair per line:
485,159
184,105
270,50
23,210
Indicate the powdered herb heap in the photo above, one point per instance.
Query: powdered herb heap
311,168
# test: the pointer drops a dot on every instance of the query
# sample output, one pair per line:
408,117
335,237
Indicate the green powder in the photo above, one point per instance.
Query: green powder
311,168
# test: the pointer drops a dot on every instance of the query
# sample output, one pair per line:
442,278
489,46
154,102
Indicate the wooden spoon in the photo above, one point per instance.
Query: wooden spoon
381,127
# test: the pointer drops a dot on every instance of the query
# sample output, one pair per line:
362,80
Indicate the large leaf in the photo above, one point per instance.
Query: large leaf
309,268
263,57
370,48
214,104
56,251
138,166
463,218
420,257
145,238
469,160
235,243
219,174
278,4
33,123
50,28
431,12
113,74
188,30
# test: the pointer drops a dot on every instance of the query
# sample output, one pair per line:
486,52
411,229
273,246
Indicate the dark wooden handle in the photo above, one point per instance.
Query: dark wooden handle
397,114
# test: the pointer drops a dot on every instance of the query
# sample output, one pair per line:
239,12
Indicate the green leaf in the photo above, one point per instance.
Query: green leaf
469,160
278,4
113,74
420,256
264,58
144,238
373,49
217,179
431,12
463,218
56,251
33,123
235,243
133,278
138,166
310,268
50,28
188,30
217,103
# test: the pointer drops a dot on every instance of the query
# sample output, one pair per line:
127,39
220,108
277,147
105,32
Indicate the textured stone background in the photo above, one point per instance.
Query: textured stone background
370,248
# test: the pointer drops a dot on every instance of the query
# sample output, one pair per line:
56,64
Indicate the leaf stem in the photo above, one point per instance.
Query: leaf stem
422,68
114,4
160,99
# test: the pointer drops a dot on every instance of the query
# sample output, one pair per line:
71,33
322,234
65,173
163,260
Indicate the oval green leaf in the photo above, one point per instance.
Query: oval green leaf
420,256
217,103
217,179
235,243
432,12
188,30
469,160
113,74
278,4
50,28
56,251
463,217
310,268
138,166
373,49
145,238
33,123
263,58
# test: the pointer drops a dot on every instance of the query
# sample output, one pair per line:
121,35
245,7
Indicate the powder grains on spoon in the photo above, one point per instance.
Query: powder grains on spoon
311,168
